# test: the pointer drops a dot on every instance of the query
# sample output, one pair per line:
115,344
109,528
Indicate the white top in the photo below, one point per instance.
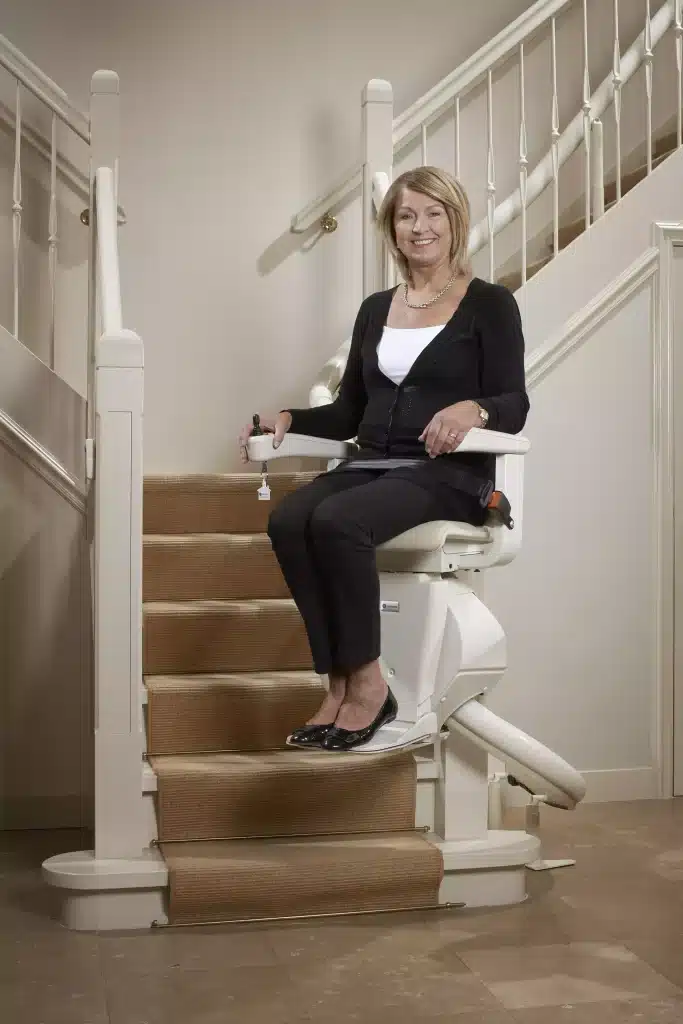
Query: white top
400,347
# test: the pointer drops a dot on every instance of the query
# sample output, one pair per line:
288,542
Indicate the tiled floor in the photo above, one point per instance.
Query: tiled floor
601,943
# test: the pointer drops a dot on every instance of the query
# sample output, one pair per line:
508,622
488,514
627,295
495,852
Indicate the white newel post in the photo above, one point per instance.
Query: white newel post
119,821
378,156
116,409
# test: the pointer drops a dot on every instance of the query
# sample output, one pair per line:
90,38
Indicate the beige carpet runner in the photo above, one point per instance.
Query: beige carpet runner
250,829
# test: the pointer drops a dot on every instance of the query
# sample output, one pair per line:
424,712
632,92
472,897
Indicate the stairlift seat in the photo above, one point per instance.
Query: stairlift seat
436,536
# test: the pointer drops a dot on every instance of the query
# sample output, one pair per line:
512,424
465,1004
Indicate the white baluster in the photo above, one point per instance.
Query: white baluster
16,210
616,82
523,159
678,33
52,239
423,145
598,170
648,58
456,122
586,107
490,175
555,136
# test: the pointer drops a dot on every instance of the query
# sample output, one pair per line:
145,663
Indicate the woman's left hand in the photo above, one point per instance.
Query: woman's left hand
447,428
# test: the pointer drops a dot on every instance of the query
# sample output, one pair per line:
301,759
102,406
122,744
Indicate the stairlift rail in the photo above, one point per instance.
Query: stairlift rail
537,767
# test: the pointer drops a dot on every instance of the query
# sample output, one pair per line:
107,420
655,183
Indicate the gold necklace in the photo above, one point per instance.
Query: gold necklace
429,302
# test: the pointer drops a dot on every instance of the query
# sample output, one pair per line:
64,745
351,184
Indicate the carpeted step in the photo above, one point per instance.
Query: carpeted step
213,503
196,714
224,636
227,881
214,566
292,793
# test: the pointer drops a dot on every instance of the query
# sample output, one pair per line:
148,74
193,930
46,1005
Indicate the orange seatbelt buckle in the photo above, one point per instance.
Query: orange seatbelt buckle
499,506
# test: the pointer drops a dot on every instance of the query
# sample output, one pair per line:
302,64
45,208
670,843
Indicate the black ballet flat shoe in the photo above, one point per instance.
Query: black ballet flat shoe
346,739
308,736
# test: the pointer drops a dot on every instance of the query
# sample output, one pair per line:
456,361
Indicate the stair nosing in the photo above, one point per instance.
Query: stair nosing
214,604
215,537
208,676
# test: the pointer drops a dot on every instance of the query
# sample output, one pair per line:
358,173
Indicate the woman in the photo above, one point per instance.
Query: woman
429,360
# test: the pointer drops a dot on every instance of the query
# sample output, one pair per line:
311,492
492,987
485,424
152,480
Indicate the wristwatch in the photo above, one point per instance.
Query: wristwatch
483,415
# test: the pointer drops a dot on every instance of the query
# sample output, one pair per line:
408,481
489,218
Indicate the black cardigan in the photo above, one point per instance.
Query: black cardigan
479,355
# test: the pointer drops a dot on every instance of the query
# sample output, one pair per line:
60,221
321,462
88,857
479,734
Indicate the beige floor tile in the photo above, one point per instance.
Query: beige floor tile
48,958
419,990
248,995
186,949
35,1003
639,1011
575,973
297,942
664,955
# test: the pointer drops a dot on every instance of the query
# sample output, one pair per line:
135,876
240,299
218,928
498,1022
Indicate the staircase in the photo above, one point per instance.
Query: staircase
201,813
662,148
248,828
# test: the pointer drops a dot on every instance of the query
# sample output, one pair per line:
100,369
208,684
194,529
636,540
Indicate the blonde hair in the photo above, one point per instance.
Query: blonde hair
443,188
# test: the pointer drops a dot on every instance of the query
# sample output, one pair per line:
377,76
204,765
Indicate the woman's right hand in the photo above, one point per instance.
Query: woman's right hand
276,425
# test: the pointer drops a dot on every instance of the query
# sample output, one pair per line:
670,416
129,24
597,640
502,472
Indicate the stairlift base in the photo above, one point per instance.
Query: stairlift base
488,872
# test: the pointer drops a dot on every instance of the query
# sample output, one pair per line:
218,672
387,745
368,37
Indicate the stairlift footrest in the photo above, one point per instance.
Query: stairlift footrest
401,736
550,865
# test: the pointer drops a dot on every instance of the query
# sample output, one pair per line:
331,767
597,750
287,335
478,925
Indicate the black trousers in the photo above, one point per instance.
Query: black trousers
324,536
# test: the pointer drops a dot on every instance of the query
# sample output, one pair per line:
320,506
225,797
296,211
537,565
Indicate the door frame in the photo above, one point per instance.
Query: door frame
666,238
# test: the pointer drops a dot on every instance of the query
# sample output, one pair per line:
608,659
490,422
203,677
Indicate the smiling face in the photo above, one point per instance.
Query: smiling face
423,230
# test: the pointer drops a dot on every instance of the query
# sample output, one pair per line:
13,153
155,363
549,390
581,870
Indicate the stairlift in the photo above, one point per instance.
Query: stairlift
443,651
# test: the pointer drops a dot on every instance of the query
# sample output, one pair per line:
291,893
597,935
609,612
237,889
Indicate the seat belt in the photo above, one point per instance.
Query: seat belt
495,502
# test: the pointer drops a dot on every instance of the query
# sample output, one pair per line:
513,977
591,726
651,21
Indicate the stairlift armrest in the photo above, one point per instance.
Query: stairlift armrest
260,448
509,450
493,442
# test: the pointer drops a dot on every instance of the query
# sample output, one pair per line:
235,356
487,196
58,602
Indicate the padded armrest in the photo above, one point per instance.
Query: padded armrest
260,448
494,442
